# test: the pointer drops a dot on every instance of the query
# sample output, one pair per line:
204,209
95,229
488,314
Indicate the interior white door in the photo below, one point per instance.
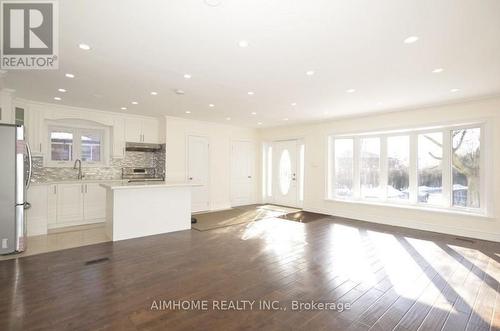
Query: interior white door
285,173
242,173
198,172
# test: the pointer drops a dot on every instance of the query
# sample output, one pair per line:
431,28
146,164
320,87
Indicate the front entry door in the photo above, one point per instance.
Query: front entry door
285,175
197,172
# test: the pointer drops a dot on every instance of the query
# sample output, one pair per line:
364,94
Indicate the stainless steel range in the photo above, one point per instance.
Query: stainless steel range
134,175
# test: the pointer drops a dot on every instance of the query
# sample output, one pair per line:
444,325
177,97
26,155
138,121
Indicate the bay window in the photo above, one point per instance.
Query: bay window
436,168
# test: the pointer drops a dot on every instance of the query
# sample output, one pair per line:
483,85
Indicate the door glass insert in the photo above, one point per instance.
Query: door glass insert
285,172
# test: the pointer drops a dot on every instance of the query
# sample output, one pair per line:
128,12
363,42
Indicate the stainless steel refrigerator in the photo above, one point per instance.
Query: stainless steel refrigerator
15,176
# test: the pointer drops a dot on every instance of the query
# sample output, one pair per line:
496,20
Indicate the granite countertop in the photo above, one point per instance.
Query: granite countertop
121,185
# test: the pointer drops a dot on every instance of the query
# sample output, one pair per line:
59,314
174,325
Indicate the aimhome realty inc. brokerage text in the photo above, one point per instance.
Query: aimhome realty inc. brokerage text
242,305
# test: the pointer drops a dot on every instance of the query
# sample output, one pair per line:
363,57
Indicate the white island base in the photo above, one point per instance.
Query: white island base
144,209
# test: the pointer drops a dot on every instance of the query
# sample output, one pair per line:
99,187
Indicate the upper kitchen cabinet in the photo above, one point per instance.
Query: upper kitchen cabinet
142,130
118,149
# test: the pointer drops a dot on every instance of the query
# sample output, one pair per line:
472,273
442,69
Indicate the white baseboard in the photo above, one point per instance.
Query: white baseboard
418,225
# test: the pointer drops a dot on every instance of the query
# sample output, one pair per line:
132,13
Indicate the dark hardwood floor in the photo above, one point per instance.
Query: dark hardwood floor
392,278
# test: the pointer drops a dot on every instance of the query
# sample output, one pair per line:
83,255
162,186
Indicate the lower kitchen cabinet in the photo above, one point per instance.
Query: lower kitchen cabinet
69,203
60,205
37,215
94,202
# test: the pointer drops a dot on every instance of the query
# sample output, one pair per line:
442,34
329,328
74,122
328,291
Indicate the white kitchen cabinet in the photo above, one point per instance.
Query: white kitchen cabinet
69,203
76,204
94,202
51,205
150,132
133,130
37,215
142,130
118,150
34,130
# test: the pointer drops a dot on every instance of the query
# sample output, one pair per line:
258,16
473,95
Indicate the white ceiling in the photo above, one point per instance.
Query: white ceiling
144,46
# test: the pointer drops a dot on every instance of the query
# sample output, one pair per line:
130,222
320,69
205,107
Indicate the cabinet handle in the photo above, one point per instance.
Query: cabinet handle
55,189
86,188
40,148
82,189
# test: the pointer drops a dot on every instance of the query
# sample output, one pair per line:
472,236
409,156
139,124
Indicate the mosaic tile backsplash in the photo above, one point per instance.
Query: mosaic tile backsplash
114,171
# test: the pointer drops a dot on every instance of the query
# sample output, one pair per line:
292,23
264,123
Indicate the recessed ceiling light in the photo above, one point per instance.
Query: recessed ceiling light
61,90
187,76
123,108
188,112
85,47
179,91
253,113
228,118
259,123
411,40
57,98
351,90
294,104
285,119
310,72
438,70
154,93
211,105
70,75
250,93
134,103
454,90
243,43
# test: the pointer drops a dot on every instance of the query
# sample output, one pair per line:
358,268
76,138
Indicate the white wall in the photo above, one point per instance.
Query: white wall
315,136
220,138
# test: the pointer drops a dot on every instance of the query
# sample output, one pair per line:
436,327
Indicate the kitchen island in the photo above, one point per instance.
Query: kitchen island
146,208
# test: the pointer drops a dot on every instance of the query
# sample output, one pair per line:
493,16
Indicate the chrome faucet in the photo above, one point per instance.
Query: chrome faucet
80,174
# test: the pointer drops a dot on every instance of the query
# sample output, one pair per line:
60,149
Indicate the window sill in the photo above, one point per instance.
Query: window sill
443,210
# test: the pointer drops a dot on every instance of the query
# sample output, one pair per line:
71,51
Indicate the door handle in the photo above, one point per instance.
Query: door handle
30,166
190,178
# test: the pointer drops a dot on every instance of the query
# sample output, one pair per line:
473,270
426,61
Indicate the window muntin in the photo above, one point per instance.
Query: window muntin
398,168
430,168
419,166
466,152
370,168
344,167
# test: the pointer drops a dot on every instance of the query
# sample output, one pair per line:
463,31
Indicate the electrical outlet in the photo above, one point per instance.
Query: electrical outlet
5,242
